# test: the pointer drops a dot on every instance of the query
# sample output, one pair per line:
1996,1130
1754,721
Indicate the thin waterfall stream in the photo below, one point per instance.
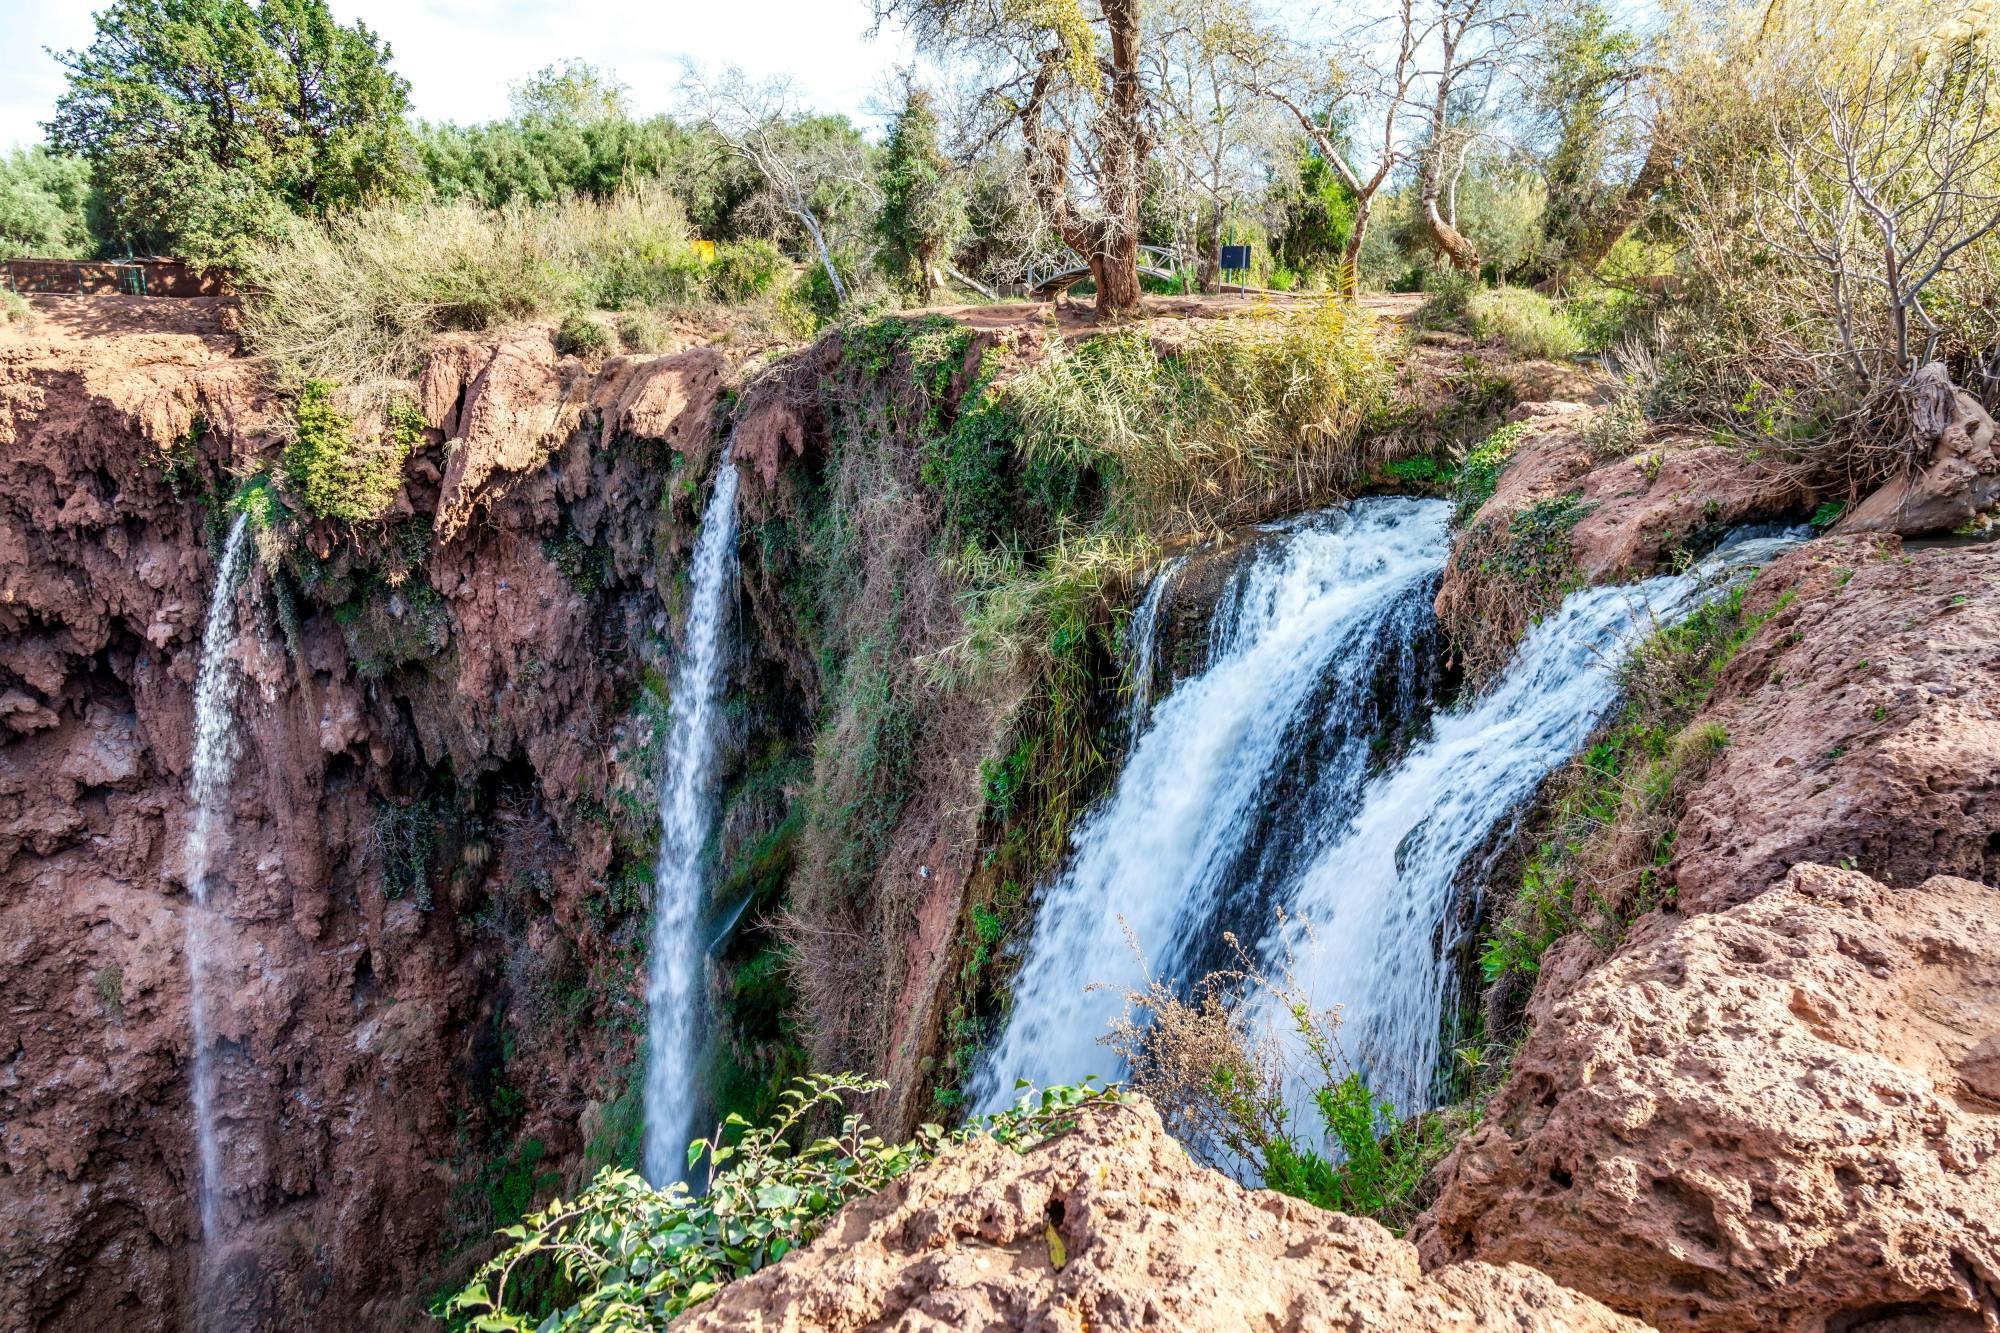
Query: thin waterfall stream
1258,785
673,984
215,742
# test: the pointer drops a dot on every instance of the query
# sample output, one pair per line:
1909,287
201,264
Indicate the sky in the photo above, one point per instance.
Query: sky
460,55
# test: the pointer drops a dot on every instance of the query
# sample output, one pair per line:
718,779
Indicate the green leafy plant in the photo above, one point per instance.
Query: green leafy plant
627,1256
337,476
1229,1093
1525,322
580,335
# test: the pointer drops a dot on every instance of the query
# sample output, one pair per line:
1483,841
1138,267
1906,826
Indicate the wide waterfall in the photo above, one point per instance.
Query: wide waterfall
1296,646
1366,916
1257,785
208,785
673,986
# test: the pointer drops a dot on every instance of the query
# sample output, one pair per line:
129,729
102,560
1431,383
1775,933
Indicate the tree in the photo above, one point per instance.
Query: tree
1319,215
802,159
207,122
1215,139
923,199
1590,97
1072,84
45,203
572,91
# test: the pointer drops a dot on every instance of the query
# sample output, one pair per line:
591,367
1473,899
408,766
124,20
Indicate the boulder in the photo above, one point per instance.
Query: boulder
1781,1116
1112,1227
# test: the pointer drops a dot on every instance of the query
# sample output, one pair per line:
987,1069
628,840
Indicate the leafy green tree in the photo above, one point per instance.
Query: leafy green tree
571,90
923,200
208,122
45,202
1589,69
1319,218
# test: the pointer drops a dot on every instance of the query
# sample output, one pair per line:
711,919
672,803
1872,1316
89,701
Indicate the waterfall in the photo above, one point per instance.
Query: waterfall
673,984
1297,642
1367,915
208,785
1255,786
1142,648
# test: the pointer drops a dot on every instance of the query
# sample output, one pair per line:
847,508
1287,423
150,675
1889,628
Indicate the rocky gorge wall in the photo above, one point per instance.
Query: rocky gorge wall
442,830
443,763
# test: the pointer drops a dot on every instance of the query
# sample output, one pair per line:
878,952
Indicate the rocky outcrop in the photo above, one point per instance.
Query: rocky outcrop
1576,505
1863,720
1113,1227
1785,1116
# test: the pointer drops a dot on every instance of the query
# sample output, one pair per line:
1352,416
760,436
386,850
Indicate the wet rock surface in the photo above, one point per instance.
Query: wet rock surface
356,1028
1112,1226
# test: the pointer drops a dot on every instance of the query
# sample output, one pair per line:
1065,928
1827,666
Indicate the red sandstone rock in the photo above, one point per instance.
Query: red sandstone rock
1148,1240
1863,722
352,1025
1779,1116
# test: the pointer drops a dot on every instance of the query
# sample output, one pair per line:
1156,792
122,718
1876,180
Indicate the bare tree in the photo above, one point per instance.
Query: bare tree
1884,182
1403,81
1215,138
759,122
1072,83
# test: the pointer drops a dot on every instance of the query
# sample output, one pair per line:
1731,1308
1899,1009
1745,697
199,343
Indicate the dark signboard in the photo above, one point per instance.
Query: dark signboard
1236,256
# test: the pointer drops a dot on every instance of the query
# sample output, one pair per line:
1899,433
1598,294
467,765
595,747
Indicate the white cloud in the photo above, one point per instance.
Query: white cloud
460,55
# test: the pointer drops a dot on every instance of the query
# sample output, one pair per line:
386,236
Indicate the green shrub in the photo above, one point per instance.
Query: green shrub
1523,321
337,476
1601,315
580,335
1247,418
632,1257
1479,474
1607,832
14,307
1230,1095
644,331
744,270
1447,293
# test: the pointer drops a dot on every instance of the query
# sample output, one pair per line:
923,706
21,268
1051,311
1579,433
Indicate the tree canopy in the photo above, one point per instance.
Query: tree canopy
208,122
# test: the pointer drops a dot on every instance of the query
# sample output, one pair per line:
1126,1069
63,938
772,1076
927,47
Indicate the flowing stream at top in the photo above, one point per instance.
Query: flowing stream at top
1252,788
673,984
208,785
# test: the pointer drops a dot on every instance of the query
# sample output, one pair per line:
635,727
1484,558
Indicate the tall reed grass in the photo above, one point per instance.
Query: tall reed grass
358,299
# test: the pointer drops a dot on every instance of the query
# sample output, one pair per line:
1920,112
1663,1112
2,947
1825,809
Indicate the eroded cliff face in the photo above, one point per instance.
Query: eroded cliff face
439,756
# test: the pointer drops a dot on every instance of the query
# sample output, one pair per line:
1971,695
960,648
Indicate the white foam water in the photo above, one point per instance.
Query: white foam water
1297,627
674,970
1255,785
215,743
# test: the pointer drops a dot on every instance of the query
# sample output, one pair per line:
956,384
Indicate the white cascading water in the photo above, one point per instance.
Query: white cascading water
673,985
1366,916
208,786
1296,630
1367,859
1141,638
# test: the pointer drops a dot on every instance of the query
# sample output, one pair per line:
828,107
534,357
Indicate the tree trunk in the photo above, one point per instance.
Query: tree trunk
1349,277
825,255
1115,268
1456,247
1211,252
1609,225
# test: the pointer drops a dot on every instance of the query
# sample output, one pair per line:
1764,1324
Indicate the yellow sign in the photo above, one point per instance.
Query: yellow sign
706,249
